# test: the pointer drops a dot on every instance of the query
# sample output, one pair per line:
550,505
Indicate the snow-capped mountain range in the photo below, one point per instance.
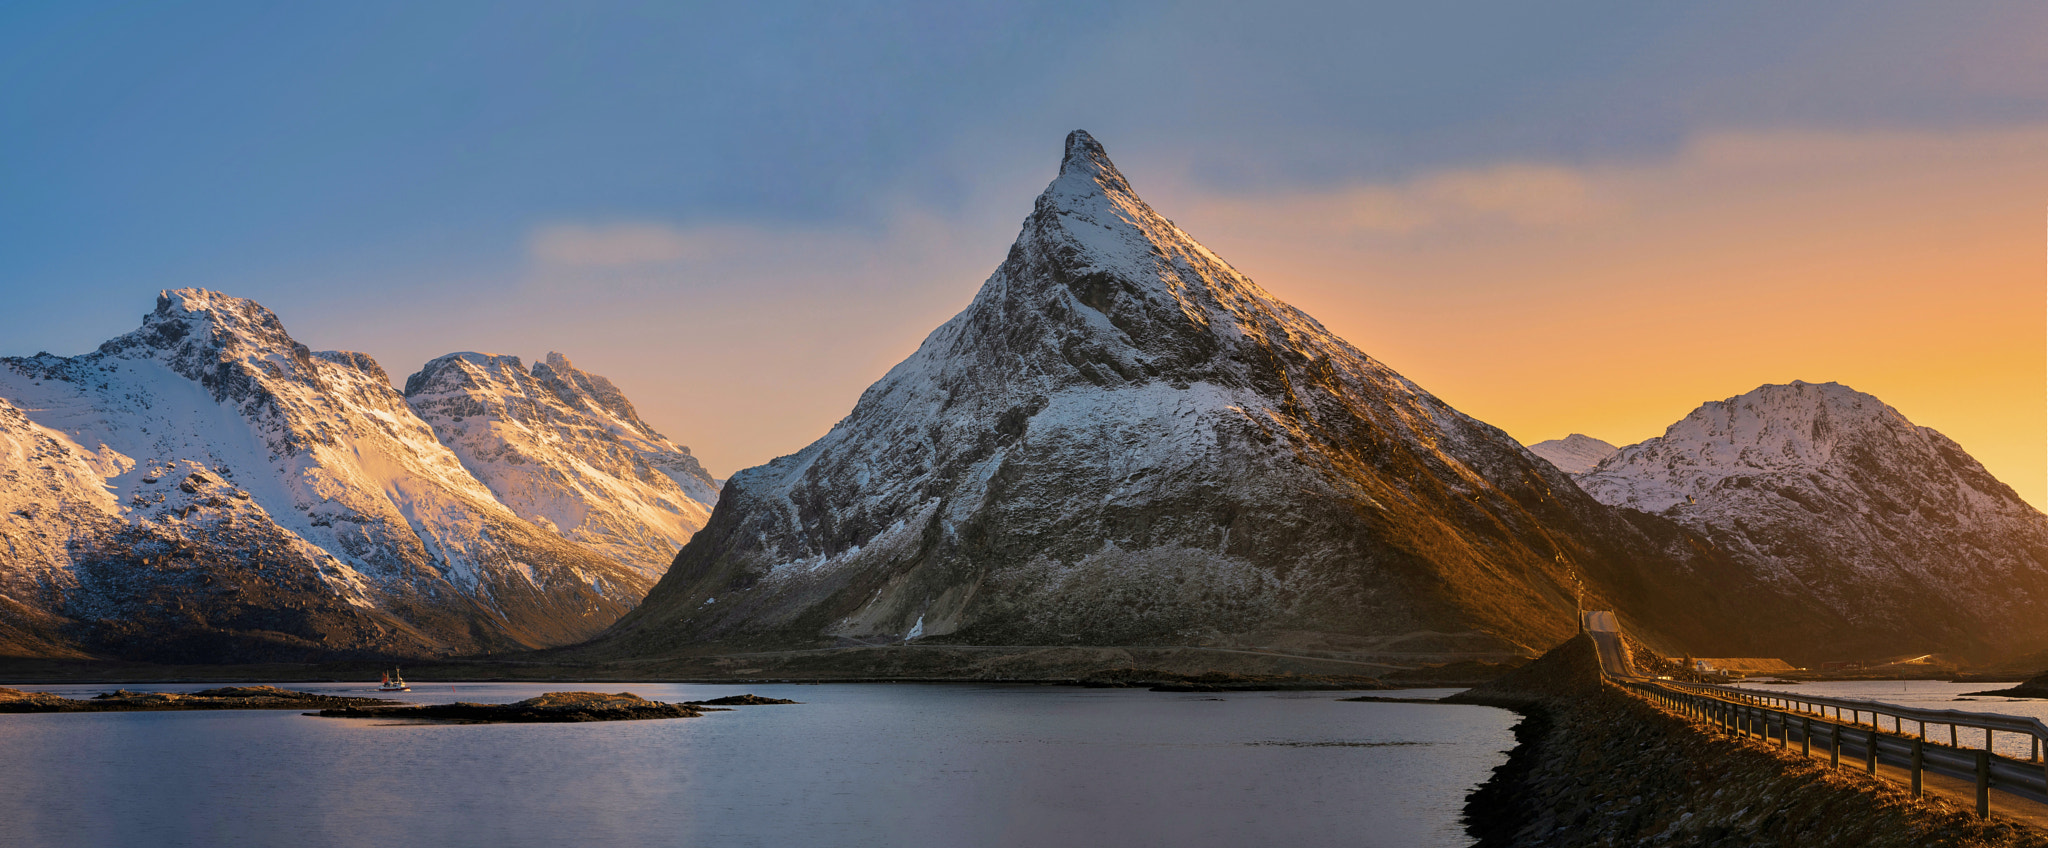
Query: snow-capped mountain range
1835,496
207,488
1123,440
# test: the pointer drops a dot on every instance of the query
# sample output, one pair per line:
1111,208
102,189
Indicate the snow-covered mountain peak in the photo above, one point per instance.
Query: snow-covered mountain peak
465,370
1777,427
1794,428
565,450
1827,489
1123,437
200,333
1087,179
1573,454
590,393
312,479
1092,222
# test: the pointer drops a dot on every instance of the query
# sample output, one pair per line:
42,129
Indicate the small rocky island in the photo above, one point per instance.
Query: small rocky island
551,707
748,700
223,698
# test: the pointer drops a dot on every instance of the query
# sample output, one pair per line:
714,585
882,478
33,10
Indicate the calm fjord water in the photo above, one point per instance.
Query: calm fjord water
912,765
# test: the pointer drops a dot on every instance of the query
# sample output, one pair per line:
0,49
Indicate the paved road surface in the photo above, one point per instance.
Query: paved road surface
1606,632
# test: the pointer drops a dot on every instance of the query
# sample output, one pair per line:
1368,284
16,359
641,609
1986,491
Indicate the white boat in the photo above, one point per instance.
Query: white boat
393,682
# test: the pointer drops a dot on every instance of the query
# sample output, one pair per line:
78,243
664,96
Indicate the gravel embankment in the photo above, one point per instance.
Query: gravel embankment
1594,766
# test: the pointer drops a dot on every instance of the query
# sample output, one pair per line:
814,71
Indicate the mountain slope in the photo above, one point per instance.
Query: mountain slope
1573,454
225,493
1836,497
1123,440
565,450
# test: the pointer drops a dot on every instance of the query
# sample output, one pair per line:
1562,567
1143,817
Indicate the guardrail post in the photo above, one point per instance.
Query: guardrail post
1805,736
1870,754
1983,784
1919,761
1835,746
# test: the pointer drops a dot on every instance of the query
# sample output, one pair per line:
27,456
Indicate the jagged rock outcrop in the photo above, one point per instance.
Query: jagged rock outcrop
1826,493
208,489
1573,454
1123,440
565,450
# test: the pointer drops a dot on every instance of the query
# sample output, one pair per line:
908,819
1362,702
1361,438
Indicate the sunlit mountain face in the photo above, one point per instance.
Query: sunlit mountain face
207,489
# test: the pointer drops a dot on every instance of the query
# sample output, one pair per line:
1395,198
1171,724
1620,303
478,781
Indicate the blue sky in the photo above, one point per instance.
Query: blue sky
385,175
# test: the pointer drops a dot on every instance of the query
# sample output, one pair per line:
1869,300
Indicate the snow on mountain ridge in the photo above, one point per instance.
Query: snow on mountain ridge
1829,490
1771,429
1573,454
564,449
326,514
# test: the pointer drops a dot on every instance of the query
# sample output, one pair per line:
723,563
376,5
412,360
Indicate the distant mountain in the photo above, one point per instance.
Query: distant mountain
208,489
565,450
1123,440
1834,496
1573,454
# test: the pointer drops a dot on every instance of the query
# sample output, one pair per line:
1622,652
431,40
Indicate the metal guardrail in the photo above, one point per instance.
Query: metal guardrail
1990,723
1782,717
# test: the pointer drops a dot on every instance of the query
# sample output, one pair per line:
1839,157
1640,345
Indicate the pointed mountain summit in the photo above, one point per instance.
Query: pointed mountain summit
207,489
1833,494
1123,440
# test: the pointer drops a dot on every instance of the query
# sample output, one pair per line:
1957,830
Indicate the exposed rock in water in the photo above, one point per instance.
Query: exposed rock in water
749,700
551,707
2033,688
1124,441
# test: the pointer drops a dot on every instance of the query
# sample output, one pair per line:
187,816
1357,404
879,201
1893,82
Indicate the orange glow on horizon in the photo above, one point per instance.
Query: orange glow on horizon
1613,301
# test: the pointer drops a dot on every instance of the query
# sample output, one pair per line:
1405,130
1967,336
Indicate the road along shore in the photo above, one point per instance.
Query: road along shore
1595,766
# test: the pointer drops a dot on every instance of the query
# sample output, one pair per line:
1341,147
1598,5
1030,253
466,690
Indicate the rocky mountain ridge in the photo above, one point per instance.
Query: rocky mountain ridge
206,488
1837,497
565,450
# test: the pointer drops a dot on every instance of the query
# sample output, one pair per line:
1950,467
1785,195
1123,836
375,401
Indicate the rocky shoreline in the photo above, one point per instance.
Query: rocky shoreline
223,698
1593,766
917,663
2036,688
